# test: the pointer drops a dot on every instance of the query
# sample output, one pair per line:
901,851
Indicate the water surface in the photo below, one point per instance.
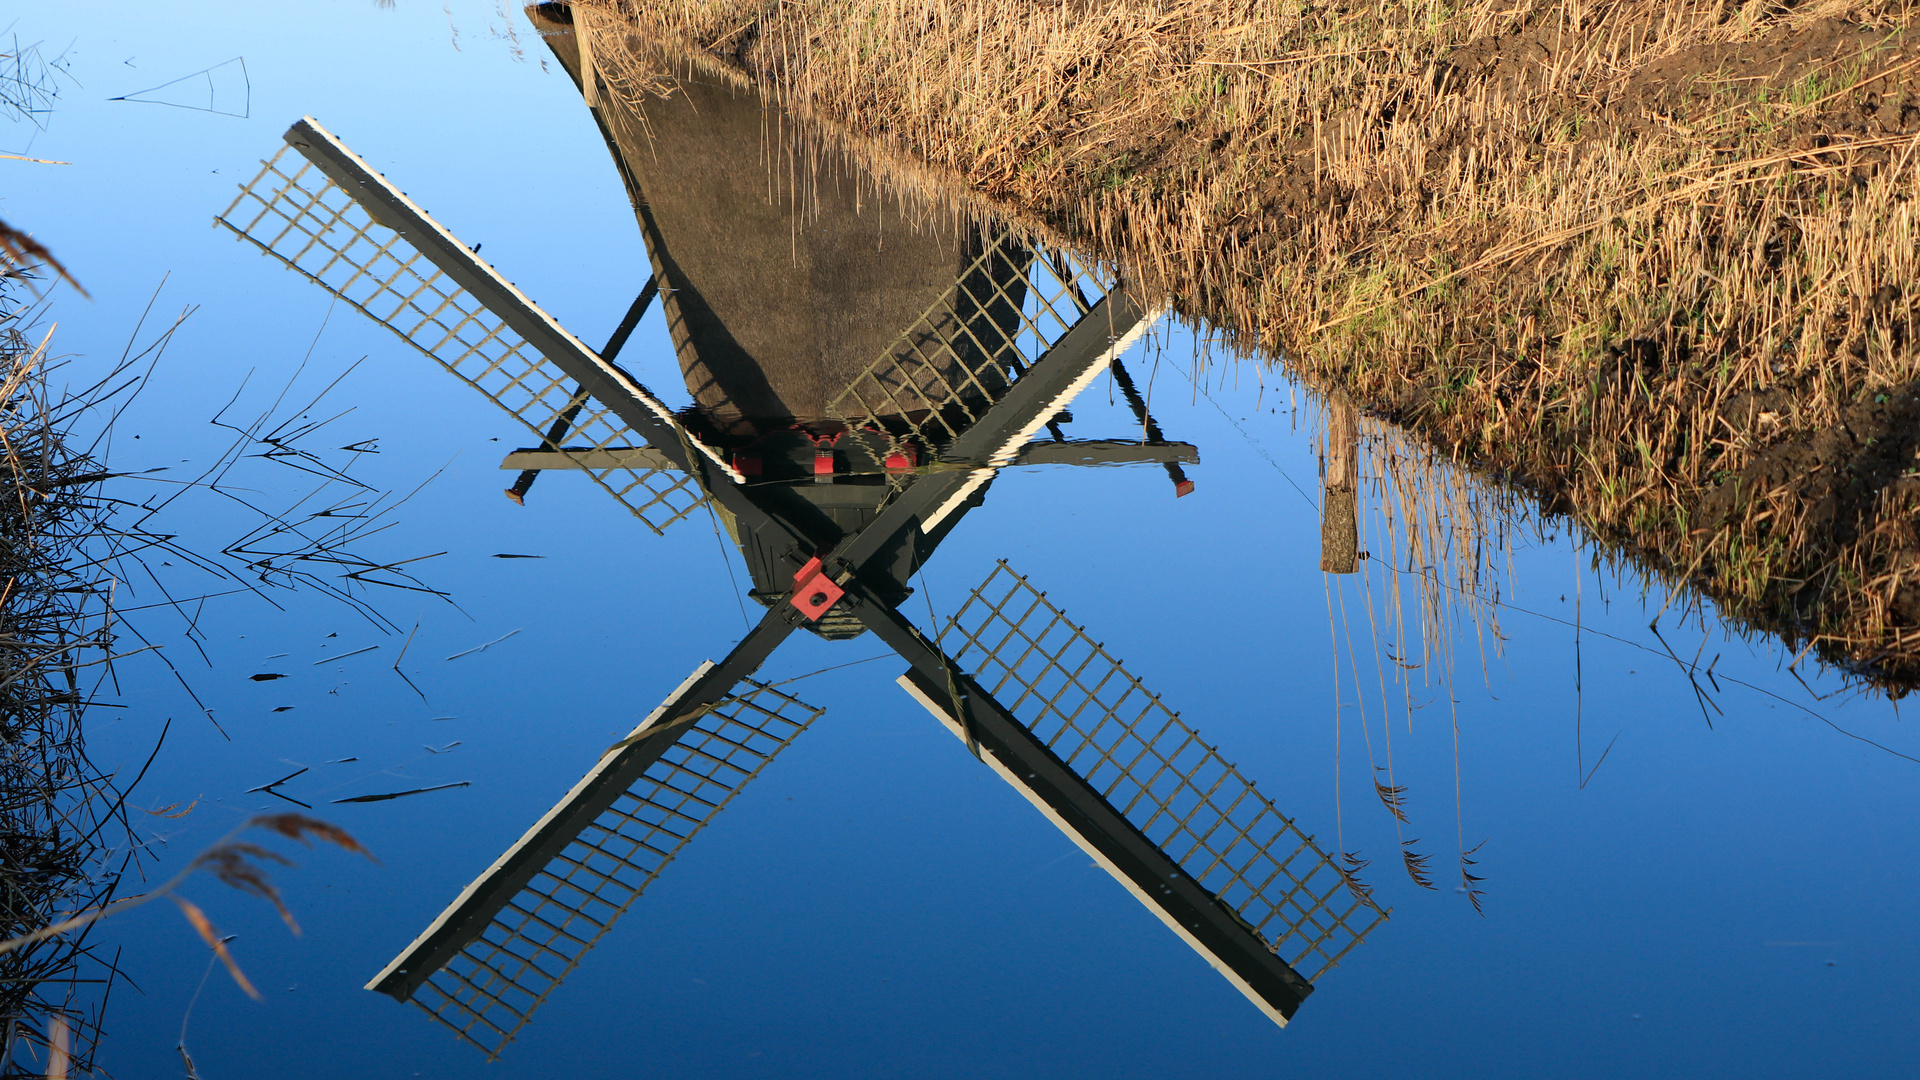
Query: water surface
1724,894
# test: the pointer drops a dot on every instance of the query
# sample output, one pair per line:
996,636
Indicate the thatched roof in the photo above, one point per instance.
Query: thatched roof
786,271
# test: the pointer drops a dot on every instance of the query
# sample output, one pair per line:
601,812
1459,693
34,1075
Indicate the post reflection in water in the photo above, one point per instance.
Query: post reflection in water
860,368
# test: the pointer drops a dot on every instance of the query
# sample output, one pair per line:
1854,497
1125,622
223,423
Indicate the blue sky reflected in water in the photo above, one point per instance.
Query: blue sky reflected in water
1724,901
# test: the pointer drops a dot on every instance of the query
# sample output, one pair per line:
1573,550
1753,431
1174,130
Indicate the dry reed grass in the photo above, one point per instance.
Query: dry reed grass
67,550
64,835
1652,258
1436,547
66,840
234,863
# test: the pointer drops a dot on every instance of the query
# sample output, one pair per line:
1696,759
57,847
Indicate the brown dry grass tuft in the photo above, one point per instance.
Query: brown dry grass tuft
21,255
1653,259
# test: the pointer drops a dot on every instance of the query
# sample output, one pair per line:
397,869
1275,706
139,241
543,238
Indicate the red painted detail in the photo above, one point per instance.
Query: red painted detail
823,463
747,464
813,591
900,460
1184,487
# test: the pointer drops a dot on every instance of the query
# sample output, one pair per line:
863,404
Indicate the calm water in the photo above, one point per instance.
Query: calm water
1727,895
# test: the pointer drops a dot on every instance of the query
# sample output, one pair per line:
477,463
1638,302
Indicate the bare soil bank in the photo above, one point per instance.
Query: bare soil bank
1655,261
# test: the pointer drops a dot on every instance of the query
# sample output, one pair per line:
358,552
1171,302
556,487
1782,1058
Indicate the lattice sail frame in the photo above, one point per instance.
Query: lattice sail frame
1003,312
1148,764
489,991
301,217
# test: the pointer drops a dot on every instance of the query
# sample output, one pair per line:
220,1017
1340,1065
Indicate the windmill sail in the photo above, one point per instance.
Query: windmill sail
496,953
295,212
1146,763
1037,296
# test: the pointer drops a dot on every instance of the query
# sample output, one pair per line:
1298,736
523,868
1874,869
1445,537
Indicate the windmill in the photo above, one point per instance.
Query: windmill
835,498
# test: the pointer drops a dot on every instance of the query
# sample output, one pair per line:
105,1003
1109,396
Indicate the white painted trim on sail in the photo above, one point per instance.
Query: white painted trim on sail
974,481
1093,853
606,760
655,405
1004,455
1010,449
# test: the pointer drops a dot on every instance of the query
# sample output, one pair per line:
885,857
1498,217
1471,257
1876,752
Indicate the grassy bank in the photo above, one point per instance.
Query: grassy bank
1654,261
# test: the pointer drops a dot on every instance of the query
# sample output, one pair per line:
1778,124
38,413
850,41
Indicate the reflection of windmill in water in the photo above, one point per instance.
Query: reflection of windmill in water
838,475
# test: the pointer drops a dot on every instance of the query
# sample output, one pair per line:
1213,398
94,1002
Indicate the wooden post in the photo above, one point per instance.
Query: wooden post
1339,506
